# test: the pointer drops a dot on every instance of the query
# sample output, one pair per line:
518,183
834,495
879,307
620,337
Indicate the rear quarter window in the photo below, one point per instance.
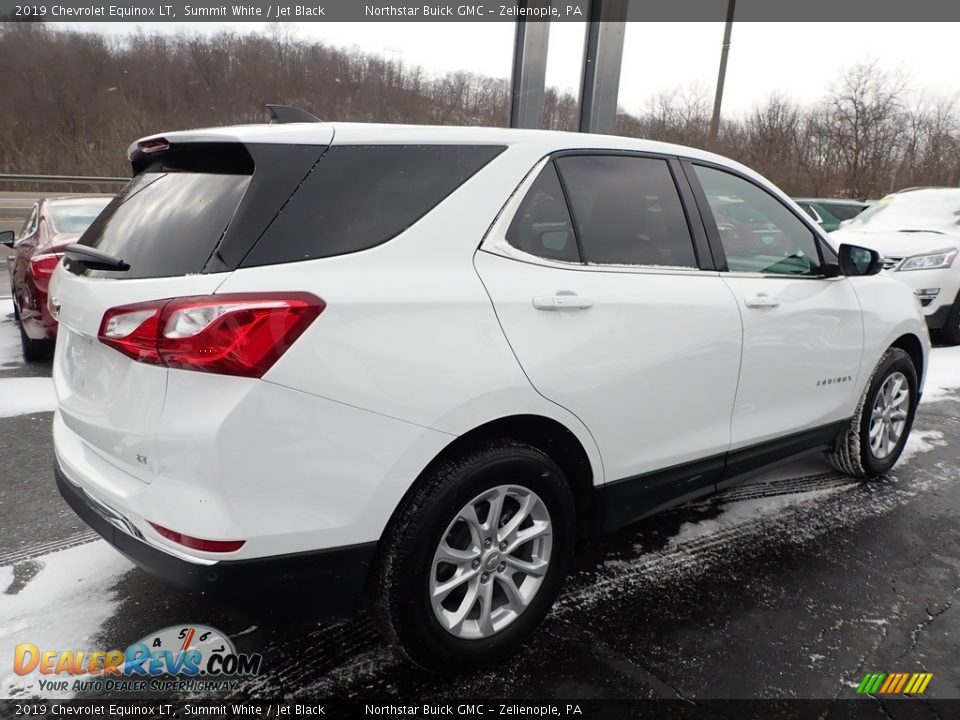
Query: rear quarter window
542,225
360,196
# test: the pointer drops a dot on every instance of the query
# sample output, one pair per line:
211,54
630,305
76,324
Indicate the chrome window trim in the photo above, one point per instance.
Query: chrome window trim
777,276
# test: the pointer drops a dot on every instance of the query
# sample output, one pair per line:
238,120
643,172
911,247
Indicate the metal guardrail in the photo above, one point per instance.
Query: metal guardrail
65,179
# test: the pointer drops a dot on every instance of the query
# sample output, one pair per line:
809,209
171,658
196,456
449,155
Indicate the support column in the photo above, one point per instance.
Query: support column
529,69
602,59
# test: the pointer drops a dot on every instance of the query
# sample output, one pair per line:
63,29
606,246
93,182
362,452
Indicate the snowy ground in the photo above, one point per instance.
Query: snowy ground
59,600
657,610
944,376
19,395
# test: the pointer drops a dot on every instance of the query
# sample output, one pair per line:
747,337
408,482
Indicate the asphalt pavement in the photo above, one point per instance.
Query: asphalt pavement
792,585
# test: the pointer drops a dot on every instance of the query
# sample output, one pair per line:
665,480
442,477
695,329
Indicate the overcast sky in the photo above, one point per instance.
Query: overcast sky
799,60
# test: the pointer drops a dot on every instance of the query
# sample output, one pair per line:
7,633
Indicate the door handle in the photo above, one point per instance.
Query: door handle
760,300
562,302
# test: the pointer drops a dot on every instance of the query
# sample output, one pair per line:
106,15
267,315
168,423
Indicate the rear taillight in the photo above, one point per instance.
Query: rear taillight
133,330
198,543
42,267
233,334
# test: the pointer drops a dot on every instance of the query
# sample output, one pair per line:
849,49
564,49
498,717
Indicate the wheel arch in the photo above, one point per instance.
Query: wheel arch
544,433
913,347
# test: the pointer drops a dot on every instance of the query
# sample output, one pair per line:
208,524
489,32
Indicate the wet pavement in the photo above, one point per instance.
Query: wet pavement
792,585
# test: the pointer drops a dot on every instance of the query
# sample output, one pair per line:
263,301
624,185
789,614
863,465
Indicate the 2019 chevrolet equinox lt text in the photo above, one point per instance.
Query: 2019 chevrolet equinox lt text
420,364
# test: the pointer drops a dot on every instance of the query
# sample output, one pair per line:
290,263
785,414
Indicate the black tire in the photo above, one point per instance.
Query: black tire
401,604
950,333
16,310
853,454
35,350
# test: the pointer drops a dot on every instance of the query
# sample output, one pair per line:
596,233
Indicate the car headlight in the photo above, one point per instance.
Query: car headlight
932,261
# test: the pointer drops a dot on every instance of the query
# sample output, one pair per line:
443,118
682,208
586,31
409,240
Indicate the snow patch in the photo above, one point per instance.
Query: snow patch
22,396
10,355
921,441
62,607
743,511
943,376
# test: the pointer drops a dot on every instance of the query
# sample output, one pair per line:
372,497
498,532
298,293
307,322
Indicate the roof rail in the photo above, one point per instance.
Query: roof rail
282,114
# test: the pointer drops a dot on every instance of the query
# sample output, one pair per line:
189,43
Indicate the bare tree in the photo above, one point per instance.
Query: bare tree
74,101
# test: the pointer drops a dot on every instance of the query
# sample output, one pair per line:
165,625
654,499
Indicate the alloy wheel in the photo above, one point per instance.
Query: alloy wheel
490,562
889,415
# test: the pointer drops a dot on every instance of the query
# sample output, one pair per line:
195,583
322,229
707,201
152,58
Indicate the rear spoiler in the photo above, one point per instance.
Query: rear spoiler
206,150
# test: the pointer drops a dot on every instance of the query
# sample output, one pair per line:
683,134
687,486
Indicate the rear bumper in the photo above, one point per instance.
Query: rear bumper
338,574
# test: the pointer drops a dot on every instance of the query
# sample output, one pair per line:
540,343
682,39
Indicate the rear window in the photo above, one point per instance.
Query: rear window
167,223
76,217
359,196
216,207
844,212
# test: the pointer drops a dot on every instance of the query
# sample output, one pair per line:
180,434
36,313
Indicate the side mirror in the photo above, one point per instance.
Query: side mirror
830,270
856,261
7,237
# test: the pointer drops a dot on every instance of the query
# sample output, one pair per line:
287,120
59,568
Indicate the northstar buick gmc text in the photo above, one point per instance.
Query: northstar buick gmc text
421,364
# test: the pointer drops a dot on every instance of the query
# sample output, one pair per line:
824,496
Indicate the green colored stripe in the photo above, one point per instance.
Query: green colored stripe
862,687
878,682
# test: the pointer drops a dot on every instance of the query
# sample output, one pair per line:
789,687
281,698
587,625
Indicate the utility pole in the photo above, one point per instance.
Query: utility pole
724,52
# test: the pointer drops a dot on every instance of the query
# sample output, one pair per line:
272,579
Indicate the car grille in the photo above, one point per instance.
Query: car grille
889,263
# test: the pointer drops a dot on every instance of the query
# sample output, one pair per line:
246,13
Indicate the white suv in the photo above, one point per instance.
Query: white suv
918,233
416,366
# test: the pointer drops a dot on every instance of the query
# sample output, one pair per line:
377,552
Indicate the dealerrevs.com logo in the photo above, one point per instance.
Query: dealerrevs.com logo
177,658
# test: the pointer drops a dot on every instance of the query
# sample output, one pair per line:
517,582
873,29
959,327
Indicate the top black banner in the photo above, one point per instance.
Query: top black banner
854,11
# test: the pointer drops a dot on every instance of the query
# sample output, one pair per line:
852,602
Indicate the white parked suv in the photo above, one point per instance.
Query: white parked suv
917,231
416,366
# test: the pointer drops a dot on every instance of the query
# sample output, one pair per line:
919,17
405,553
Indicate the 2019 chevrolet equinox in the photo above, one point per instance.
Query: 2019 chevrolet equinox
419,364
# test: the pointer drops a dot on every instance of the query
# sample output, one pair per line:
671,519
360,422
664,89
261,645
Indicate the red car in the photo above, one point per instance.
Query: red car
53,224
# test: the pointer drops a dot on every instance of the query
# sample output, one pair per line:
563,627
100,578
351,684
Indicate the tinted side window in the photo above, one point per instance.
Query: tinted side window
359,196
542,225
757,231
627,211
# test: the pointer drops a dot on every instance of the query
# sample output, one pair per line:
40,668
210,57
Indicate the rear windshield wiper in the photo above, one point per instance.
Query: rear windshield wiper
93,258
935,232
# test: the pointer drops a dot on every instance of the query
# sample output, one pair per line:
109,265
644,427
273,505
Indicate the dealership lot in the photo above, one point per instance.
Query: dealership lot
792,585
